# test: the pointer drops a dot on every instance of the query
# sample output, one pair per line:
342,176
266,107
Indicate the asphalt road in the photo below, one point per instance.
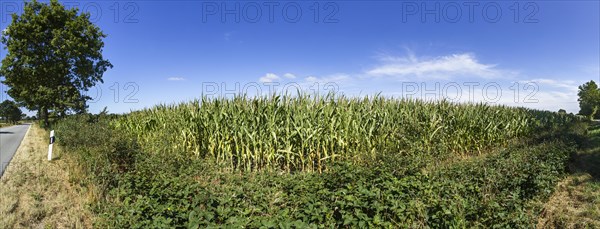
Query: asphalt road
10,139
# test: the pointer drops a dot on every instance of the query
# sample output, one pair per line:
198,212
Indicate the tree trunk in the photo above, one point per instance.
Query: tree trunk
43,112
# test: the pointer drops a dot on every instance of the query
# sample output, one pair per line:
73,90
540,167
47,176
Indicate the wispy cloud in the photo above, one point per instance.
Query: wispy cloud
175,79
335,78
311,79
442,67
289,75
563,84
457,77
268,78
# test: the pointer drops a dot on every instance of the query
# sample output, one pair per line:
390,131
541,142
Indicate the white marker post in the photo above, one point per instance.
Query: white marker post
50,148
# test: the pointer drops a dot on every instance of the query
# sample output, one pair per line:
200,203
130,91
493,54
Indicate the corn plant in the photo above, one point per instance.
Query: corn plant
307,132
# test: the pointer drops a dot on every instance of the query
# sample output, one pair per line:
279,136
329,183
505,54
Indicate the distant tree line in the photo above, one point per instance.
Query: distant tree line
10,112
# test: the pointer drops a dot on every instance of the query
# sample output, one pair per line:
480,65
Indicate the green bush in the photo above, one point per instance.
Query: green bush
491,191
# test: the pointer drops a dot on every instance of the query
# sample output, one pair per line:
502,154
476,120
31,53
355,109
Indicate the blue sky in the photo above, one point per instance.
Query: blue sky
531,54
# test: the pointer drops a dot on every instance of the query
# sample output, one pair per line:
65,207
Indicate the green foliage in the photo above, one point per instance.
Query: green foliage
479,193
10,112
144,184
307,132
589,99
53,55
97,148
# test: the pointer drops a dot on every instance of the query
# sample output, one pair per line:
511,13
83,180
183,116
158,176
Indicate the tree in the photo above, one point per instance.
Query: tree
54,55
10,112
589,99
4,109
562,111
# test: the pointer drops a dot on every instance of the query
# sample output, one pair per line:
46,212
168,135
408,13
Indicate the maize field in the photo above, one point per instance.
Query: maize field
321,160
306,132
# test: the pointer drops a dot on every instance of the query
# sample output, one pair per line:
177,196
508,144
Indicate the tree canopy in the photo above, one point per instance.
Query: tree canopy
589,100
562,111
54,55
10,112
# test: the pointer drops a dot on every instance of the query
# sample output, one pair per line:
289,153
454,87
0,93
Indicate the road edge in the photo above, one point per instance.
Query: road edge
8,163
37,193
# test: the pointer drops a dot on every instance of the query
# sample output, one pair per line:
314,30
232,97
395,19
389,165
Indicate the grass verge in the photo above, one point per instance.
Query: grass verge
2,125
36,193
576,202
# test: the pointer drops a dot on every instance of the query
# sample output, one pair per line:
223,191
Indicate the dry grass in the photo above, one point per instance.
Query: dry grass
576,201
575,204
2,125
36,193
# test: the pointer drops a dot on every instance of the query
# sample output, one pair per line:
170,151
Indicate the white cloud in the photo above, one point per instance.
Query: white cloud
552,94
544,96
175,79
269,77
311,79
335,78
549,100
564,84
442,67
289,75
390,73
